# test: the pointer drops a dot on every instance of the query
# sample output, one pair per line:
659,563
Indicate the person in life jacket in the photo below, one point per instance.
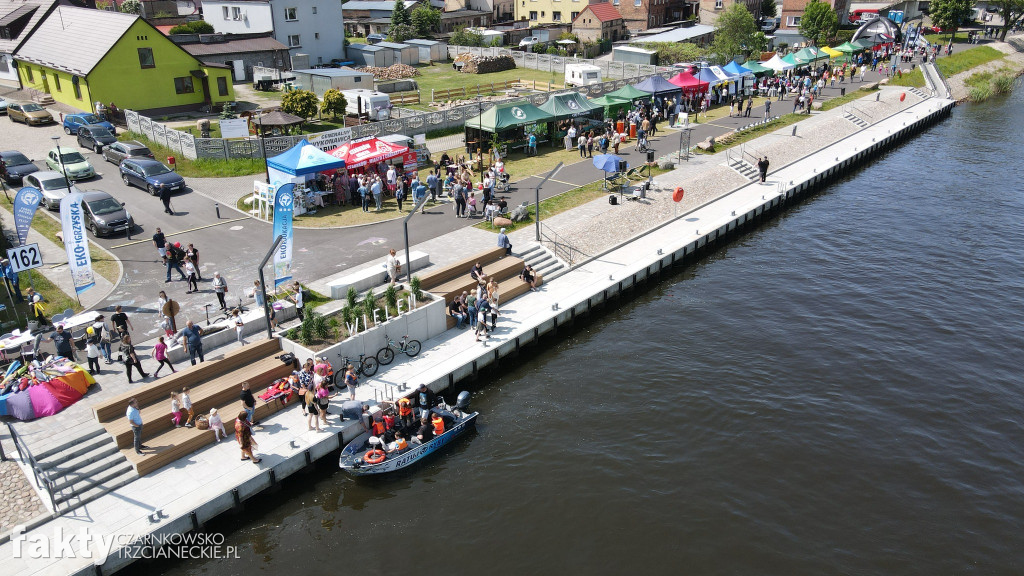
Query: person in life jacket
438,424
405,412
378,428
400,444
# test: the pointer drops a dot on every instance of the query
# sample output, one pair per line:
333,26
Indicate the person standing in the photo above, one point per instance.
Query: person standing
533,145
400,192
173,260
377,189
767,108
131,358
165,198
298,300
433,184
192,254
193,280
92,350
160,355
392,176
762,167
364,195
64,343
160,241
394,267
504,242
244,434
220,286
351,381
193,341
236,318
248,403
99,326
460,201
120,321
11,278
135,420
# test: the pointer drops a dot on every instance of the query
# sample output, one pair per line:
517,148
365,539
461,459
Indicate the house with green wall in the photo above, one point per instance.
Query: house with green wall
81,56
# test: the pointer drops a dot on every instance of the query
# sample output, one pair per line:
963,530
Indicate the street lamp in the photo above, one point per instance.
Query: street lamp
263,148
60,159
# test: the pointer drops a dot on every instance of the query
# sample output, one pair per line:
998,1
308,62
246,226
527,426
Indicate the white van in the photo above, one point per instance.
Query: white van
582,74
362,101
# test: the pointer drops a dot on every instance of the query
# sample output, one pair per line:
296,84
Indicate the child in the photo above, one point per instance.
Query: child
165,323
186,404
160,355
175,410
472,204
92,350
217,425
190,273
236,316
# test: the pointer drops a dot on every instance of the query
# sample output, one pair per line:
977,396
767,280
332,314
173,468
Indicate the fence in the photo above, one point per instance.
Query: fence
403,98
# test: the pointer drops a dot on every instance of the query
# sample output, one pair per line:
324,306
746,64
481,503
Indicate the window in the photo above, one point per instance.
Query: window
314,9
56,81
78,90
222,86
541,13
719,4
639,2
793,20
183,85
574,15
533,16
358,79
293,41
615,2
225,10
556,16
291,14
316,35
28,72
236,13
146,58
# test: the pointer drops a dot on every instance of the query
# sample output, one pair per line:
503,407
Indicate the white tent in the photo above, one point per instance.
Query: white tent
777,64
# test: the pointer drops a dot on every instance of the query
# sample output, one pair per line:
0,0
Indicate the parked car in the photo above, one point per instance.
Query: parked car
52,185
119,151
95,137
375,38
769,24
17,166
73,121
151,175
104,214
529,41
70,162
28,112
3,105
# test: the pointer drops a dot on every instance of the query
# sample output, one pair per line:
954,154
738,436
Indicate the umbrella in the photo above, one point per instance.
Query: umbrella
607,162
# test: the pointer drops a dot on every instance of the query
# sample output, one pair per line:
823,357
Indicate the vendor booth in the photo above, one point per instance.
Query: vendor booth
658,86
691,86
740,74
631,93
611,104
776,63
299,165
758,70
718,81
373,155
572,108
511,122
811,54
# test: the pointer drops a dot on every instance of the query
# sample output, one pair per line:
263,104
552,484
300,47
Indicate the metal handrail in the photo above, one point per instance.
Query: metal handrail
757,157
560,245
42,481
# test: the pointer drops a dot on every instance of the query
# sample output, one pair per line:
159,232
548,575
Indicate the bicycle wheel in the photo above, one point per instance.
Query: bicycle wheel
369,366
412,348
385,356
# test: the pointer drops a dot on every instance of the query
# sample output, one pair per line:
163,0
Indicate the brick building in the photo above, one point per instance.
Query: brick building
599,22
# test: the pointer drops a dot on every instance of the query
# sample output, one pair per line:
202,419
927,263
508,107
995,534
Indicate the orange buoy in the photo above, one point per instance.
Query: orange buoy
374,456
903,96
677,195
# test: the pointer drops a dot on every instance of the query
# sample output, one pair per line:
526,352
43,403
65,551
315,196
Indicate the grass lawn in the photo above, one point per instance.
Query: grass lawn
441,76
335,216
203,167
55,298
914,78
46,223
943,38
956,63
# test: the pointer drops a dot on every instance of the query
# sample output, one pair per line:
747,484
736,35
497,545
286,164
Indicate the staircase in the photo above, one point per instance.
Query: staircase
84,469
860,122
745,169
544,262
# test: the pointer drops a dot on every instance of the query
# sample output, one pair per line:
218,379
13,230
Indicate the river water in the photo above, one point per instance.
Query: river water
836,392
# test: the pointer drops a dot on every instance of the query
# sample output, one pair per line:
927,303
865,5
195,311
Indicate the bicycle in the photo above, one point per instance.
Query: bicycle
364,367
386,355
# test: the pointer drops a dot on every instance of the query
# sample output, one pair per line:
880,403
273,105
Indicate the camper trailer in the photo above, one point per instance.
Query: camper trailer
375,105
582,74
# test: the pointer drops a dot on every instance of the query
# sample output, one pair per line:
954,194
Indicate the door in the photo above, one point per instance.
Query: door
238,70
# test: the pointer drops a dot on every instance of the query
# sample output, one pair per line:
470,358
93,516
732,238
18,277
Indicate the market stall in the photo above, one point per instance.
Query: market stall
511,123
776,63
691,86
631,93
740,74
758,70
375,155
811,54
573,108
718,81
298,165
611,104
658,86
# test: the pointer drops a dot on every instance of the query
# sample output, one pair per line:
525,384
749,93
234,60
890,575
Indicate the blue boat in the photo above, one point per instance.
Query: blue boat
362,456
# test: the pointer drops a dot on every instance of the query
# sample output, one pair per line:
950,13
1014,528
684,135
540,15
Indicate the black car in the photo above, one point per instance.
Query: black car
95,137
17,166
119,151
104,215
151,176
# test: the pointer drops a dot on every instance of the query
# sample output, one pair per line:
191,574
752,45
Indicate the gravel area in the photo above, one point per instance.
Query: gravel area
20,502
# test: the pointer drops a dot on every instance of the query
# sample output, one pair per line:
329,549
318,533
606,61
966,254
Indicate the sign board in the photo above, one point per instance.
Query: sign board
896,16
25,257
234,128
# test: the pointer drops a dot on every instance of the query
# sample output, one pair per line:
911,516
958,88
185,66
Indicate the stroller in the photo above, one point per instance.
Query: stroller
642,145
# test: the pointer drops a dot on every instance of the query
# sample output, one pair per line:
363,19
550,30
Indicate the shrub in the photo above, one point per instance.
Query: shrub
334,103
335,327
319,324
301,103
196,27
346,315
391,298
306,333
416,285
352,297
369,305
1003,83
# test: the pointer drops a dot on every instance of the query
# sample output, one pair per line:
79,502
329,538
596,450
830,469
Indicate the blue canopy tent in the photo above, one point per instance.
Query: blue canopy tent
658,86
302,159
743,75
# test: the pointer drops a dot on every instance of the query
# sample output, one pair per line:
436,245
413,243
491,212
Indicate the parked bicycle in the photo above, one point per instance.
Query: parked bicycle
365,366
386,355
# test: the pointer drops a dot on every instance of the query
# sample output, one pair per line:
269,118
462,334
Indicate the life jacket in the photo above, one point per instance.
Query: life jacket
401,444
378,429
404,407
389,421
438,423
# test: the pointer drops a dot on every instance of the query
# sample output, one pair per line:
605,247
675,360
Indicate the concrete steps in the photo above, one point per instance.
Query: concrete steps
860,122
84,469
43,99
918,92
745,169
544,262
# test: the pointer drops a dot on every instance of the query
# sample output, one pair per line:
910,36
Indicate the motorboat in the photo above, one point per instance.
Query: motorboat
367,454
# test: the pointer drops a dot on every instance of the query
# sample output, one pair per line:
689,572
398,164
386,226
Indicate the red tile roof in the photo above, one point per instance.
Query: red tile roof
603,11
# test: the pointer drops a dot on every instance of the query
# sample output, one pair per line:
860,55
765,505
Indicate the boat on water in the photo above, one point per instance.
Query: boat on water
367,454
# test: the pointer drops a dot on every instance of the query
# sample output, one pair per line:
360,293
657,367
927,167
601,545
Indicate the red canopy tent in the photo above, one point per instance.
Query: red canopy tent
691,86
360,153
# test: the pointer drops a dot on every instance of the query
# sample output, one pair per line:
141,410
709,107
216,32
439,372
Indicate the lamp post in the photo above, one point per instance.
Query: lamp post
536,193
405,226
60,159
263,283
263,149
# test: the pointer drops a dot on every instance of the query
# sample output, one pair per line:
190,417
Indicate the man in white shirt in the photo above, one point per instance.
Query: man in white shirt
394,266
392,179
297,298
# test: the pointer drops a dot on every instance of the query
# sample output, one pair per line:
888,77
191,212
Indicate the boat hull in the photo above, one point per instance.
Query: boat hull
351,460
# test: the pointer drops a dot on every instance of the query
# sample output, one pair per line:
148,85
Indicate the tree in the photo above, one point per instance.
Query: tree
334,103
1012,12
399,15
464,37
196,27
819,23
426,21
302,103
538,48
131,7
735,34
401,32
949,14
769,9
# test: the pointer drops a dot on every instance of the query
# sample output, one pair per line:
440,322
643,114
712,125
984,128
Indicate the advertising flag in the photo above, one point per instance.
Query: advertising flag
284,203
26,201
72,221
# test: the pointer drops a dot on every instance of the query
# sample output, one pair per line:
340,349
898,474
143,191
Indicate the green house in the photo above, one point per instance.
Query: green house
81,56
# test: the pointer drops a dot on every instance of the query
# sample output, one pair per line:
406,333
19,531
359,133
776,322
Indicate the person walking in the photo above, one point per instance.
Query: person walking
244,434
192,337
504,242
160,241
762,167
193,279
192,254
131,358
767,108
172,259
220,286
394,267
165,198
160,355
135,421
92,350
99,326
248,403
433,185
400,192
120,321
297,299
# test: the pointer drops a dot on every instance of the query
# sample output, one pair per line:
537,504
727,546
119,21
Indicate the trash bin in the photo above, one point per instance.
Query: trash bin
842,91
632,130
170,161
619,126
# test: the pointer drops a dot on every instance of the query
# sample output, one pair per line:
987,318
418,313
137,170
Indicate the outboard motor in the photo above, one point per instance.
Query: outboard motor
462,402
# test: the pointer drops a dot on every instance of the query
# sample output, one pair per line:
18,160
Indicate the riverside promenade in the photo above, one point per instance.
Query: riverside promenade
621,246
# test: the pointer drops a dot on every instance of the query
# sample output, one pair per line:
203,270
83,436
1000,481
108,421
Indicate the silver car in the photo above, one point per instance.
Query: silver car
52,184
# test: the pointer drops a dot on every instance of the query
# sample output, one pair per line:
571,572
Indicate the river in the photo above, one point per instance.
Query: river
836,392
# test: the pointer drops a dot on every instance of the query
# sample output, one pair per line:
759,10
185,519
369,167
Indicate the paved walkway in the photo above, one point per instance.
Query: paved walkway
20,502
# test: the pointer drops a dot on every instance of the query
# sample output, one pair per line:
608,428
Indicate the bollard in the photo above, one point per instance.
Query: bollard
128,231
794,130
216,207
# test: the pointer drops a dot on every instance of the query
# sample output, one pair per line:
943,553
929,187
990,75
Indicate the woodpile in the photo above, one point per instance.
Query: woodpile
485,64
393,72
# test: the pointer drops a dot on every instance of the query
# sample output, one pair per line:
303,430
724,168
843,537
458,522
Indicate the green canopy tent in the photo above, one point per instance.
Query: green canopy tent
758,70
811,54
611,104
570,105
630,93
792,60
864,43
848,48
509,121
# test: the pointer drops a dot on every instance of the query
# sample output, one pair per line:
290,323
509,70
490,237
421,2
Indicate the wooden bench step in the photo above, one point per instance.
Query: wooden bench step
443,274
502,270
222,390
190,376
509,290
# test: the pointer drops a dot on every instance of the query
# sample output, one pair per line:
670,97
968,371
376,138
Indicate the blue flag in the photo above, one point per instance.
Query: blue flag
72,219
284,205
26,201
